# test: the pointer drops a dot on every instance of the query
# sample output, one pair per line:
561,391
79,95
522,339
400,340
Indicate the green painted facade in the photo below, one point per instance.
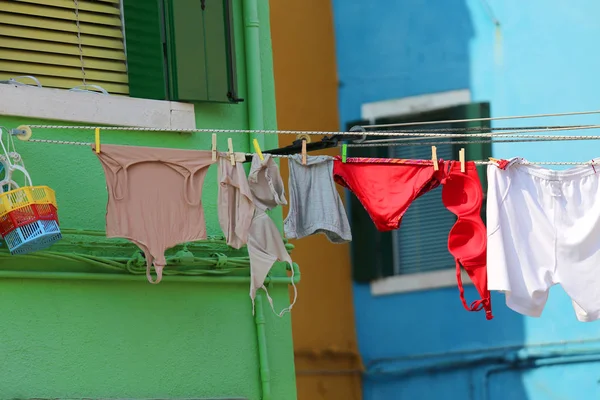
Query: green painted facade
86,323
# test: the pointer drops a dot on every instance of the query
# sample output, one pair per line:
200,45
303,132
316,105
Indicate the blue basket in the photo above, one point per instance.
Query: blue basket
35,236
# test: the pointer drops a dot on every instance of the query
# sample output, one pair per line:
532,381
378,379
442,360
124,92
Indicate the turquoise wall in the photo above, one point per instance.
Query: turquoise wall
118,337
424,345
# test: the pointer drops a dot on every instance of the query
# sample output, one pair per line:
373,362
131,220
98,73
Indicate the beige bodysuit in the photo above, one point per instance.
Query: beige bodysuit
154,198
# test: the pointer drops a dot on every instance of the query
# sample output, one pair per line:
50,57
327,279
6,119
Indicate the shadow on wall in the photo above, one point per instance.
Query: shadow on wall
423,344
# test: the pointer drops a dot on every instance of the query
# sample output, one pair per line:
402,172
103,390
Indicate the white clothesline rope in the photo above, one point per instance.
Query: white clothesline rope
481,119
477,162
516,133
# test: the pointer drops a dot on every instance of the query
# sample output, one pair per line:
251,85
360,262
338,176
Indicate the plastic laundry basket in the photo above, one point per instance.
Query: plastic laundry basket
26,215
29,219
35,236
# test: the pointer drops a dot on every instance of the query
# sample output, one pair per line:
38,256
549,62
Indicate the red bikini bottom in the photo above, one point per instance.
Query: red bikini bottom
386,188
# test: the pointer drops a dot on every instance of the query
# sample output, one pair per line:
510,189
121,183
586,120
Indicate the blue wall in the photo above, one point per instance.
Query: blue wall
424,345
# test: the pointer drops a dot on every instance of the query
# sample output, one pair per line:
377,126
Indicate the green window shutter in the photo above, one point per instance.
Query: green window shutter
201,50
181,50
145,49
39,38
420,244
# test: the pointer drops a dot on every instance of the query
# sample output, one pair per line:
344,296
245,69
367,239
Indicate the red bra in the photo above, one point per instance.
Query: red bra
462,194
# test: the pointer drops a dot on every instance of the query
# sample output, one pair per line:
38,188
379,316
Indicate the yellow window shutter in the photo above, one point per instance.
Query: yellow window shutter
40,38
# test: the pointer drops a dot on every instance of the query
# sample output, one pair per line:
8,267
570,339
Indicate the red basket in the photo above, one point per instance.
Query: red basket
26,215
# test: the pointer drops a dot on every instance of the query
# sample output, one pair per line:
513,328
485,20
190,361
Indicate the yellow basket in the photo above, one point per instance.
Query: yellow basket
24,196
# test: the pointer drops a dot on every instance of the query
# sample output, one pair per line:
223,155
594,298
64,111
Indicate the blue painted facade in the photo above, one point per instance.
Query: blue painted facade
424,345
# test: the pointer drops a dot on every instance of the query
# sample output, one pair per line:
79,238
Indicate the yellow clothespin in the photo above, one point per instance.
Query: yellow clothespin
257,149
214,147
303,151
492,159
97,134
231,155
434,158
461,157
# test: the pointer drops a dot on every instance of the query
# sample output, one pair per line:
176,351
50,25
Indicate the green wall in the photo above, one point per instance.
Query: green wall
127,338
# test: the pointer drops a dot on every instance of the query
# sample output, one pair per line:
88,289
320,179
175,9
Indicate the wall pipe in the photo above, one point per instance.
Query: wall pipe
263,357
527,362
139,278
256,122
507,355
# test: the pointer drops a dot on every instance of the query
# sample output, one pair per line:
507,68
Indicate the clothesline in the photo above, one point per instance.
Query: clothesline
517,132
482,119
478,162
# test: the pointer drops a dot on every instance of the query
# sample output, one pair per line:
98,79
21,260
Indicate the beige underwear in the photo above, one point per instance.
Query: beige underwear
242,206
265,243
154,198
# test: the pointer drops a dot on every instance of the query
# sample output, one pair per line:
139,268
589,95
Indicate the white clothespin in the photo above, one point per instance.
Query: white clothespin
434,158
461,157
303,151
214,147
231,155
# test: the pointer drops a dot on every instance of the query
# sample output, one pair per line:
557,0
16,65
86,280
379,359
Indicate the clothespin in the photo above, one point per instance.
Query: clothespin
214,147
461,157
257,149
492,159
344,151
97,134
303,151
434,158
230,147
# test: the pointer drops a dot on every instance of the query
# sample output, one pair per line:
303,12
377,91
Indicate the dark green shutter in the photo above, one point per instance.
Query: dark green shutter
420,244
200,50
181,50
144,43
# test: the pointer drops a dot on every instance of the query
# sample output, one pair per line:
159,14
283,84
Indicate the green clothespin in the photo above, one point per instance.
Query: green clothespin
344,150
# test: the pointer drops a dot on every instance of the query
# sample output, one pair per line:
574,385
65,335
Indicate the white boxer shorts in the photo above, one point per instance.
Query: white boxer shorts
544,229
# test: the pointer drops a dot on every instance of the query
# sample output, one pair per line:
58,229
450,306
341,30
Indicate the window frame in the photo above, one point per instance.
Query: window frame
382,279
169,55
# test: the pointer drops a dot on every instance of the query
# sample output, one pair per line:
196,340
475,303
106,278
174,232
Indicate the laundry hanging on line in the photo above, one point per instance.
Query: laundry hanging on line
464,237
154,201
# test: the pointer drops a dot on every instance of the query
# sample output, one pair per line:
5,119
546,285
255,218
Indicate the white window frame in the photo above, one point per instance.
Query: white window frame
94,108
404,106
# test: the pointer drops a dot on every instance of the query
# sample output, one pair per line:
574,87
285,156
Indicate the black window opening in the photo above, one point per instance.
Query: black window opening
421,242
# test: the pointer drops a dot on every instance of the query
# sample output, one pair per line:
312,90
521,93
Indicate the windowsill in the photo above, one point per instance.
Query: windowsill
91,108
417,282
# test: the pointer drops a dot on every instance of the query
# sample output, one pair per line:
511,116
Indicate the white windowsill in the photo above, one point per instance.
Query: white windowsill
417,282
414,104
91,108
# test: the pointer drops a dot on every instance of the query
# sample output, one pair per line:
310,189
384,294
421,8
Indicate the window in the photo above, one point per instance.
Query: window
420,244
39,38
180,50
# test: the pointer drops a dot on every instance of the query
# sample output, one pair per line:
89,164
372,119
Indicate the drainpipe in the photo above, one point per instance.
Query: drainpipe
254,76
256,122
263,357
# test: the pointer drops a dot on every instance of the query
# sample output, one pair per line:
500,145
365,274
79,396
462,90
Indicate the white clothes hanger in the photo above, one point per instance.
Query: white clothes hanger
10,167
